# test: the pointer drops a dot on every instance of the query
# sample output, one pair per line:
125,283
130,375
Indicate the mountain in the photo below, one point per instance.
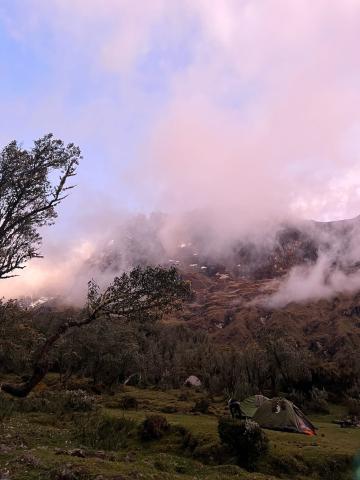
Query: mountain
232,291
232,286
230,310
269,254
274,255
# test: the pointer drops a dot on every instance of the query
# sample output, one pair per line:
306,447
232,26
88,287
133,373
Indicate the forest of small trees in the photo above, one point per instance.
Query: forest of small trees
152,353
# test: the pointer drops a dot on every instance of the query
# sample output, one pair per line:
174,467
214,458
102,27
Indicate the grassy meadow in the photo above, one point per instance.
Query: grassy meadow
41,440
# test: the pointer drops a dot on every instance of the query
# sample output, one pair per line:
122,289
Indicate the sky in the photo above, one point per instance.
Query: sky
245,109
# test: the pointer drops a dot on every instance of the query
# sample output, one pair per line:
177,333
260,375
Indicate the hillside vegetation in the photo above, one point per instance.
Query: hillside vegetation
44,436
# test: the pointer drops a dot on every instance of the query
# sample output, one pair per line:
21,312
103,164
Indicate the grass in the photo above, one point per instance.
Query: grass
30,443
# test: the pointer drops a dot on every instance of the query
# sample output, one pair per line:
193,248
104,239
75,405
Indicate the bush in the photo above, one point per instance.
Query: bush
184,397
199,446
169,409
354,391
77,401
70,472
58,402
298,398
6,408
353,406
189,440
210,453
202,406
170,464
284,463
129,403
318,401
245,439
153,427
103,431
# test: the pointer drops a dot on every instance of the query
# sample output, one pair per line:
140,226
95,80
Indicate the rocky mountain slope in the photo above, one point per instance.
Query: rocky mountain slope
231,293
232,311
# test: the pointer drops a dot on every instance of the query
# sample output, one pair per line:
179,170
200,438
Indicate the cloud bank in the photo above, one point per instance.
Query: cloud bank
247,112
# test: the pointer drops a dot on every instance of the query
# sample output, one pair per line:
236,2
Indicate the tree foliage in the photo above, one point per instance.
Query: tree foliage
244,438
143,294
29,195
144,291
112,349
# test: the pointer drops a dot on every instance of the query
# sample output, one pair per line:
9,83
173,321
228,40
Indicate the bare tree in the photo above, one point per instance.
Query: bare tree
29,196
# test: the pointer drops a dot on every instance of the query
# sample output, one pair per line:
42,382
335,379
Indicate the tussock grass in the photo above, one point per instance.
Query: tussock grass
101,431
190,450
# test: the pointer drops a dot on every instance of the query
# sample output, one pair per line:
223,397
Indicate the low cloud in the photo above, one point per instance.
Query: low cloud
220,114
305,283
335,271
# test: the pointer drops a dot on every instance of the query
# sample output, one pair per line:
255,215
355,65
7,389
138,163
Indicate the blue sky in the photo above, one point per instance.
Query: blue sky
50,81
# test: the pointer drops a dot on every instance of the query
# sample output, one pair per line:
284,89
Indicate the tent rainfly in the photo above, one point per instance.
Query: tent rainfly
281,414
251,404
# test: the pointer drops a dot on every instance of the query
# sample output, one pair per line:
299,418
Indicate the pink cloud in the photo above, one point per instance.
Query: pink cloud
260,124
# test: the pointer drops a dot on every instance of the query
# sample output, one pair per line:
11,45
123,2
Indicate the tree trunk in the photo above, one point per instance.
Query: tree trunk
41,364
23,389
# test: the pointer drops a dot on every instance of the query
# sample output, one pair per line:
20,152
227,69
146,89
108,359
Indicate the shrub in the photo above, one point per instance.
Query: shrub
70,472
210,453
38,403
189,440
153,427
298,398
353,406
58,402
169,409
202,406
284,463
241,389
103,431
318,401
6,408
171,464
199,446
77,401
244,438
129,403
184,396
354,391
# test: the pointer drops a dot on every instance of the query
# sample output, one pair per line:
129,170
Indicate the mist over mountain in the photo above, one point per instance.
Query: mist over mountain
304,247
306,259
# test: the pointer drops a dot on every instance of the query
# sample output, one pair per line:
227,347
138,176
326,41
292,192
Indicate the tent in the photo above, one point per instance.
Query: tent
281,414
251,404
193,381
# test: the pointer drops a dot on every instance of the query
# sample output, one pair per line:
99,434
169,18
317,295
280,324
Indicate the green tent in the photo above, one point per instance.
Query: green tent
281,414
251,404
